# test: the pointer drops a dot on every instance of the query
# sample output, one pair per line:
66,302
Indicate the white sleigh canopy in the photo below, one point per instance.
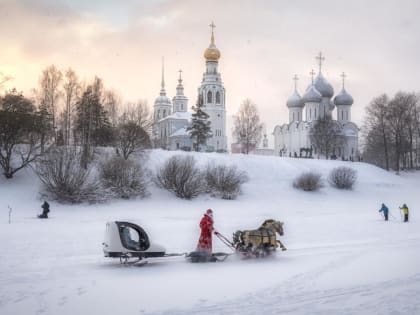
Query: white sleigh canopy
125,239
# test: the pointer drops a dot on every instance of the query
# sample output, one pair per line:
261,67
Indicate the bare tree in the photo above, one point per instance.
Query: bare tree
131,138
112,103
325,135
139,113
49,89
247,128
20,130
376,129
4,78
71,88
399,113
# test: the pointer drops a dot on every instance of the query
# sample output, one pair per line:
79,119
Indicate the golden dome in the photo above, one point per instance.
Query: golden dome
212,53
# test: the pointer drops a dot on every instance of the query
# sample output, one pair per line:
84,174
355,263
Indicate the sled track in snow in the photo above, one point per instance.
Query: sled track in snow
295,295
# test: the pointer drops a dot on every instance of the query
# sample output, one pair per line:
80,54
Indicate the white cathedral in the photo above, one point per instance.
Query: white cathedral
293,139
170,121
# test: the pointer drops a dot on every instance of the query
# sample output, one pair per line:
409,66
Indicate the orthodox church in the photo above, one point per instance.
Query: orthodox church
171,120
293,139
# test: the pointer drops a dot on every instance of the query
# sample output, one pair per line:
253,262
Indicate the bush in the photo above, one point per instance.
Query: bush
123,178
180,175
308,181
63,177
224,181
342,177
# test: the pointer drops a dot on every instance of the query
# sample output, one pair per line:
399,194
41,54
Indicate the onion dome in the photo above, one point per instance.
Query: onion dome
212,53
295,100
312,95
343,98
323,86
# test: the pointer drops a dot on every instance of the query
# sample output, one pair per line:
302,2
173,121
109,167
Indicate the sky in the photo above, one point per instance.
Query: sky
263,44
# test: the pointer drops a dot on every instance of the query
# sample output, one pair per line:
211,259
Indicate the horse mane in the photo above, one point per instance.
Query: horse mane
267,222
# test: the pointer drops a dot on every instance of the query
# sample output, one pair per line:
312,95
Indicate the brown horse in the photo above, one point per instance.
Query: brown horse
260,242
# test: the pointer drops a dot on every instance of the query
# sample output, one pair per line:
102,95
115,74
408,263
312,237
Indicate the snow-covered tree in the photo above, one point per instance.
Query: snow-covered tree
200,126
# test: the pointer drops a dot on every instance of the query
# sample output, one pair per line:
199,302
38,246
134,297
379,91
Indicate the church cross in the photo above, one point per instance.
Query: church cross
180,72
295,78
212,26
312,73
320,59
343,75
212,29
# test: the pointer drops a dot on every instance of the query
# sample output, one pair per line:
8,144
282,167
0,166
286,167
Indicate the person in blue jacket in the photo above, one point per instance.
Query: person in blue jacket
385,211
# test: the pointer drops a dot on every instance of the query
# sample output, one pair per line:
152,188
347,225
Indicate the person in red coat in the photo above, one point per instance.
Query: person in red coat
206,226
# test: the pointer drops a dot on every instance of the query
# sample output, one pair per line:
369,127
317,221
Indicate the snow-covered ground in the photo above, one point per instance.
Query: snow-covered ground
342,258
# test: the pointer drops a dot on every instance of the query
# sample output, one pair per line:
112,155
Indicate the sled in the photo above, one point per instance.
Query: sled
126,240
202,257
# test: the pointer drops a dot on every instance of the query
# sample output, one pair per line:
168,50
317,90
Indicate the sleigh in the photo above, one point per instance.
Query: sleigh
126,240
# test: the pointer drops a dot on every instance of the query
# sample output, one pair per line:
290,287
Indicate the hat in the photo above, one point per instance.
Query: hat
209,212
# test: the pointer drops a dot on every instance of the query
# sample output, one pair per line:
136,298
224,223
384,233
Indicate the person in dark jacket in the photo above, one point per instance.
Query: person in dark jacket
404,209
45,209
385,211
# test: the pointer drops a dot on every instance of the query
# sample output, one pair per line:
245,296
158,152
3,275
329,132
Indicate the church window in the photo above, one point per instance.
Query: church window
310,113
217,97
164,113
182,106
209,97
158,115
342,115
177,145
315,113
293,116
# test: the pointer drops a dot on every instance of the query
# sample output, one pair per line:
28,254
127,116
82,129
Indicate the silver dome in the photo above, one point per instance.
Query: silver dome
323,86
162,100
295,100
343,98
312,95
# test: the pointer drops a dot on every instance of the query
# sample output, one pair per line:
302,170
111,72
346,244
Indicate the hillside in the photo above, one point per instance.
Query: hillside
342,257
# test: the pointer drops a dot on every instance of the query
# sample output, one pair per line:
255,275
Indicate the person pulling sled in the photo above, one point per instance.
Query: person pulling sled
45,210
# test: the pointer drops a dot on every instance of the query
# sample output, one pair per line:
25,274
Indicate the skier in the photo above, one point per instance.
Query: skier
45,209
385,210
206,226
404,209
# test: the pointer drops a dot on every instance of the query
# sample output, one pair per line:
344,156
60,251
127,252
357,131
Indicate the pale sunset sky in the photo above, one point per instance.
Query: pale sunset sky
263,44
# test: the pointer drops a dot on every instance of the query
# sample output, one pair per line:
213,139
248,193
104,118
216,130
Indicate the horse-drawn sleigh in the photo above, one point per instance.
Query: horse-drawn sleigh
127,241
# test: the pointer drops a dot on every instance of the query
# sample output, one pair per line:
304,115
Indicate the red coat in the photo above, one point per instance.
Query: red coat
205,241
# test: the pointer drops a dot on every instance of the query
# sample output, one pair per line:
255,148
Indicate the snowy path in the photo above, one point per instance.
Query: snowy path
303,294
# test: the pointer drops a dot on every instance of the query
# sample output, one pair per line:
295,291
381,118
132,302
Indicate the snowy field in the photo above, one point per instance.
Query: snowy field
342,258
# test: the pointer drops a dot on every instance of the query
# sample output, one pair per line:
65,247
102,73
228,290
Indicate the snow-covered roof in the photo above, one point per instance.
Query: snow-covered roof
178,116
180,133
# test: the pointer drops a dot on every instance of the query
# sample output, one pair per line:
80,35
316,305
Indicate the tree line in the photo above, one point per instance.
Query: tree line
65,111
391,131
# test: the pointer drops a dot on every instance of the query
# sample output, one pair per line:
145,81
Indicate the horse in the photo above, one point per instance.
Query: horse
259,242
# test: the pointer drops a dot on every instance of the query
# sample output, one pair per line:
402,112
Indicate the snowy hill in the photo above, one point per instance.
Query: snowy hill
342,257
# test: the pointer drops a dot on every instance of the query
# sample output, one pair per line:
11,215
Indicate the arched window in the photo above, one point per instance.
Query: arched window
209,97
164,113
217,97
158,114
